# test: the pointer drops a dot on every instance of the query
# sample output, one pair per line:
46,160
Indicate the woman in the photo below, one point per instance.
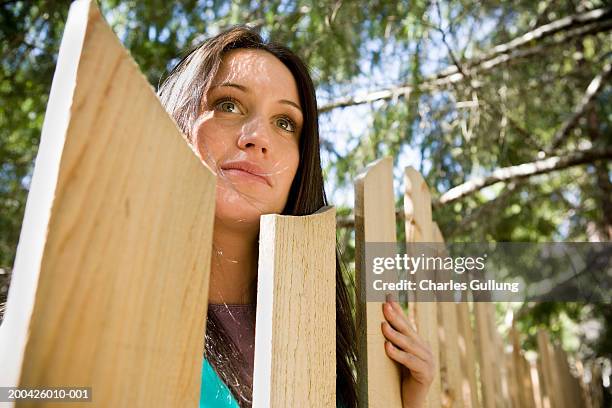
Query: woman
249,110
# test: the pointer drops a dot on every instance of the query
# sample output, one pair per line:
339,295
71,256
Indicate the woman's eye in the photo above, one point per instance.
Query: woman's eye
228,106
285,124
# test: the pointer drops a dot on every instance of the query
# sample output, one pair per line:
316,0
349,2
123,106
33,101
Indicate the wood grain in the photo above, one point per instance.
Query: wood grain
450,341
469,384
295,334
379,377
420,228
110,283
549,372
490,355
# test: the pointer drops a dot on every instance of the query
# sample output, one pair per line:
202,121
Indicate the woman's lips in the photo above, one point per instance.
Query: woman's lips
246,175
245,170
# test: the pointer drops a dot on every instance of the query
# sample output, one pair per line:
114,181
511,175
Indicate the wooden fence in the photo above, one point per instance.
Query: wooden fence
110,284
477,368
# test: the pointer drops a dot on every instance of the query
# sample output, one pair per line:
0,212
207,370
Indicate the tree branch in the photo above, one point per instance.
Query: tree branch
511,173
596,85
586,285
577,26
547,30
524,170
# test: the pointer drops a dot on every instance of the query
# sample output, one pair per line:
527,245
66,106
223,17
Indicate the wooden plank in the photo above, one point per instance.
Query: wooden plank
420,228
539,388
549,372
561,368
521,376
450,353
450,368
572,394
515,376
295,334
545,392
488,355
585,396
503,393
379,377
484,346
457,355
527,386
110,283
469,385
513,385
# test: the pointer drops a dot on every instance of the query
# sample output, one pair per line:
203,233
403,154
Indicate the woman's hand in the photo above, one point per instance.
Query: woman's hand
406,347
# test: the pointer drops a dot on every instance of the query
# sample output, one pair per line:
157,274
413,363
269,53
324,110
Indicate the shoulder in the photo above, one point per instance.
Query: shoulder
214,393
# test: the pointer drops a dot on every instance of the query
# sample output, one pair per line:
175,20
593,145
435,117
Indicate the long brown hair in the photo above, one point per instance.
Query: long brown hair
181,94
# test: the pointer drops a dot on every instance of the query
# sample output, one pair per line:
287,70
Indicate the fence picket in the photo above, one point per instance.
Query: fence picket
521,376
570,384
379,377
295,336
554,393
450,352
489,352
469,384
512,378
420,228
110,284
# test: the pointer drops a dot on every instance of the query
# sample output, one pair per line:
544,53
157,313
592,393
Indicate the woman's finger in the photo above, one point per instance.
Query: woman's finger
422,371
405,343
398,319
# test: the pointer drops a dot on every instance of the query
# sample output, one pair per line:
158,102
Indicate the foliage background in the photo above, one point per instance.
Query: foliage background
424,81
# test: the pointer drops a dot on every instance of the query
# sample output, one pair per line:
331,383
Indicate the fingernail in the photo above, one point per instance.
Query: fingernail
388,297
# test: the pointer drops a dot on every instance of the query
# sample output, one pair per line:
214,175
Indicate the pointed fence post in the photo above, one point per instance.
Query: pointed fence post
420,228
554,392
379,377
295,333
110,283
489,352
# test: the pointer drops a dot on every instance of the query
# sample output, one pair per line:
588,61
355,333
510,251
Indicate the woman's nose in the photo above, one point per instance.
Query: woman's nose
255,135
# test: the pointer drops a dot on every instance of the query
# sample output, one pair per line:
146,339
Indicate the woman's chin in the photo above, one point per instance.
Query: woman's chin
237,219
235,210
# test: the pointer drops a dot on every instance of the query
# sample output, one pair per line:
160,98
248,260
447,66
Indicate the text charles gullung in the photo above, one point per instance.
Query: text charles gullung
432,286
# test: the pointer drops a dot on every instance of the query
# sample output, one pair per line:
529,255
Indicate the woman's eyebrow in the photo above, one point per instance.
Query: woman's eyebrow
233,85
287,102
246,89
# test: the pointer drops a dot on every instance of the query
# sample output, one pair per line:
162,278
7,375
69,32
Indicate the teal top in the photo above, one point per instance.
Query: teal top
218,395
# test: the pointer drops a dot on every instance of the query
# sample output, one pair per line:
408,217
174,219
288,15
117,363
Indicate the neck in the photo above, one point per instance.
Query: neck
233,272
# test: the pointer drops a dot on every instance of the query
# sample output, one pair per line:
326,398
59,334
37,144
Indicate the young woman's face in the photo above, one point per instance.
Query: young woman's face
248,133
